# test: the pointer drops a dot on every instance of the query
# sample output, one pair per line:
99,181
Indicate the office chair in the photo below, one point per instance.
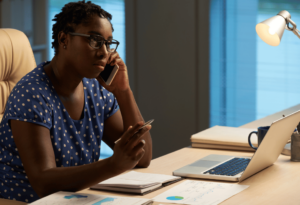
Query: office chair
16,59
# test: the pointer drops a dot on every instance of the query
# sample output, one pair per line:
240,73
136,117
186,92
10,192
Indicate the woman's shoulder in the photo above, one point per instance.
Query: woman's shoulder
33,87
34,81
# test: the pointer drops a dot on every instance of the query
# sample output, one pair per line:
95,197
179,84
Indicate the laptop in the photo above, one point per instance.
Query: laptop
237,168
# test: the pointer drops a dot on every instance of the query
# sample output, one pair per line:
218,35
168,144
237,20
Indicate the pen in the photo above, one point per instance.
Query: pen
146,123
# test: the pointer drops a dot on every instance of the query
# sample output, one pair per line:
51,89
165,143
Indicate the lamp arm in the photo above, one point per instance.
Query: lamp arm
294,28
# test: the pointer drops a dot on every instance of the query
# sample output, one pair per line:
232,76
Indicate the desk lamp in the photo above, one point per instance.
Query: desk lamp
271,30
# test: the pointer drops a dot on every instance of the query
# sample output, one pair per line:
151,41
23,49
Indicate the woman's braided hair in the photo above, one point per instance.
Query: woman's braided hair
75,13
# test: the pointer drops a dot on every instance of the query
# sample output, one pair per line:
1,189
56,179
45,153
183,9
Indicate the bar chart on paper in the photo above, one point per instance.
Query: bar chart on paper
198,192
64,198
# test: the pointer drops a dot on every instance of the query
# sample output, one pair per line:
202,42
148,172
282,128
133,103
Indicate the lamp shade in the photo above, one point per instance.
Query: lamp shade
271,30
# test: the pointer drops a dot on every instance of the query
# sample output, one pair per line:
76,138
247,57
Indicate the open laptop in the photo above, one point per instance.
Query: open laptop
236,168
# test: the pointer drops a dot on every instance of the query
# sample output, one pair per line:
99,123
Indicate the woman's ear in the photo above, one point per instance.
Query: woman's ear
62,40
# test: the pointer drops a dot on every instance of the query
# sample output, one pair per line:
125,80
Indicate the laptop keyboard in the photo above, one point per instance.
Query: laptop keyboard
230,168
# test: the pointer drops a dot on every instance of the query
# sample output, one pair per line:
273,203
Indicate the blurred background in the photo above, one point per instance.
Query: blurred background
192,64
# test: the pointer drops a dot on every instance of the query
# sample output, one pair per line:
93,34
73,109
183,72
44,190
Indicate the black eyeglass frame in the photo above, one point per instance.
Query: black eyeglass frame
103,41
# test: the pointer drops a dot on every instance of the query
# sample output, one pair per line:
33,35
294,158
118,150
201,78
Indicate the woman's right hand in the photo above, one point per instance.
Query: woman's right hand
129,149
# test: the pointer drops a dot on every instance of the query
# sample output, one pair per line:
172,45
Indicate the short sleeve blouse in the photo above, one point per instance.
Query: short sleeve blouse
75,142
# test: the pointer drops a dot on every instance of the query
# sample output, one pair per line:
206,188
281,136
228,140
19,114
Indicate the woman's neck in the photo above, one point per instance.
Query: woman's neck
65,81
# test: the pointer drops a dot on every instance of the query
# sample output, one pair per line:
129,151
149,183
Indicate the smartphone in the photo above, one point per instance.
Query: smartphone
109,73
146,123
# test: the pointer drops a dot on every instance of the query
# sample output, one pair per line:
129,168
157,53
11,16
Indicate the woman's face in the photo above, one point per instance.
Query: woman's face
87,61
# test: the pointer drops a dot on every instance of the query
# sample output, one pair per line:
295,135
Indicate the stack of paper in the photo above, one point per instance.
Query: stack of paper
221,137
66,198
228,138
136,182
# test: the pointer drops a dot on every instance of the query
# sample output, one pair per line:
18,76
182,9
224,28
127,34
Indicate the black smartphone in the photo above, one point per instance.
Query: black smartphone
109,73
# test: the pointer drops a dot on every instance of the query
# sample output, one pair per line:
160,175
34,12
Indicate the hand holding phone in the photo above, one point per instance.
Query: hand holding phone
109,73
146,123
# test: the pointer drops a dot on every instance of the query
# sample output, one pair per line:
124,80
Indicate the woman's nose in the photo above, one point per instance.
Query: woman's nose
102,51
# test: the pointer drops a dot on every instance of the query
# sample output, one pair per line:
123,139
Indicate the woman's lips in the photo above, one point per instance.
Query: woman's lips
100,66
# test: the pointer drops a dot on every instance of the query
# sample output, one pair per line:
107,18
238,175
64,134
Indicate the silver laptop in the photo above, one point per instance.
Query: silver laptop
237,168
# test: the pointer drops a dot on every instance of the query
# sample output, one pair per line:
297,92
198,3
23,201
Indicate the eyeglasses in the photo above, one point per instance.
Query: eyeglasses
97,41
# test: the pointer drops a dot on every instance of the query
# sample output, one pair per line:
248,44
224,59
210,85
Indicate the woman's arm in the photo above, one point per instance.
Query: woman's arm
131,115
37,155
128,114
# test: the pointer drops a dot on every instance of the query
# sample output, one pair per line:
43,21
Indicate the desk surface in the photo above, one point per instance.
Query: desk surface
277,184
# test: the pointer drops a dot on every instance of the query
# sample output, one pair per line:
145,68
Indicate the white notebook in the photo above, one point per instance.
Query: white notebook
136,182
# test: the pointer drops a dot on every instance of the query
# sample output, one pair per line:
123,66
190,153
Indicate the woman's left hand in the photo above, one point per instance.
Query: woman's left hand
121,81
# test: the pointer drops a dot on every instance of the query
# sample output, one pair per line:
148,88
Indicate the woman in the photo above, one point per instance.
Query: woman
57,114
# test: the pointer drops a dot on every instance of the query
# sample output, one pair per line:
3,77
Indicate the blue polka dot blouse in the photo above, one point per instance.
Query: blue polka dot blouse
75,142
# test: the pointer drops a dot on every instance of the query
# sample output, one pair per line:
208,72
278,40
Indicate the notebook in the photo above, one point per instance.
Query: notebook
235,168
228,138
136,182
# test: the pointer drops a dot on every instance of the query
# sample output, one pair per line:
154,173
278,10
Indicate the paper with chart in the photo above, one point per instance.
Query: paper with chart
66,198
198,192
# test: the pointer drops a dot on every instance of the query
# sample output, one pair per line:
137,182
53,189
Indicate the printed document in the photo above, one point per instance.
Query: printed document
66,198
199,192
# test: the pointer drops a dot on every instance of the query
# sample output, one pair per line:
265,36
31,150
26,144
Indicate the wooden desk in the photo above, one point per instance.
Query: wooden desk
278,184
10,202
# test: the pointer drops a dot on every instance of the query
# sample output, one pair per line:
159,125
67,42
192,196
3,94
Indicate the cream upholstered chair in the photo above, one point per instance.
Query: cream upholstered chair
16,59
